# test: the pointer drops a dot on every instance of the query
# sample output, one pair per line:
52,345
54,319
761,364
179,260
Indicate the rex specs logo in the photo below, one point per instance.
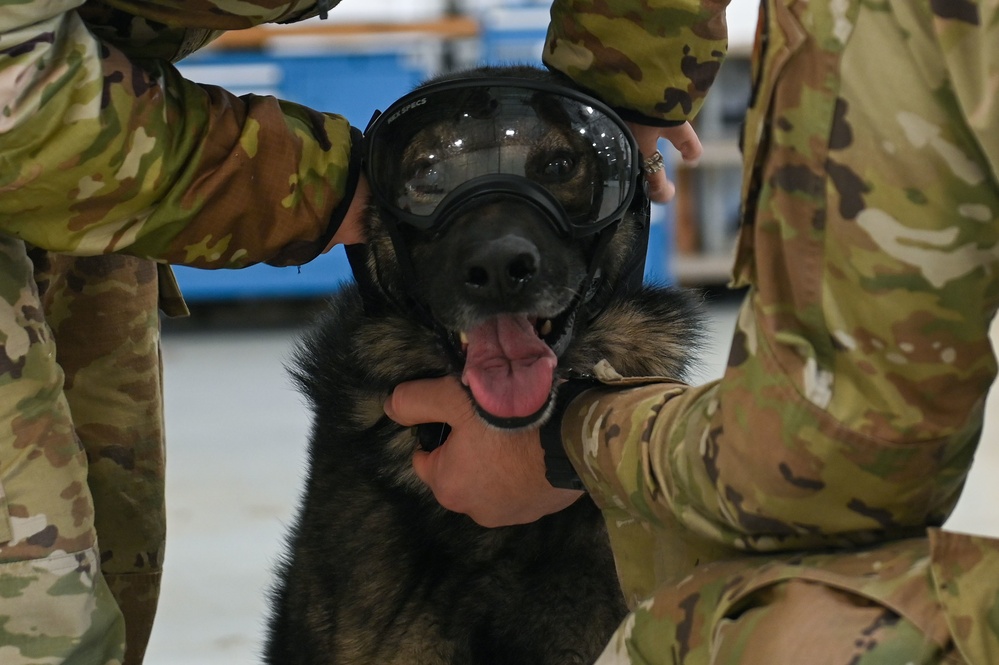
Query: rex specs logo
406,109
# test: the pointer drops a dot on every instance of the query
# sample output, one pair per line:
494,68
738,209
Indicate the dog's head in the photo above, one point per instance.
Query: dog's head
506,209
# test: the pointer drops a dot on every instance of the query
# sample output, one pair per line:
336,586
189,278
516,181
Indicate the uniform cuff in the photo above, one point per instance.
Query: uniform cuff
350,187
558,469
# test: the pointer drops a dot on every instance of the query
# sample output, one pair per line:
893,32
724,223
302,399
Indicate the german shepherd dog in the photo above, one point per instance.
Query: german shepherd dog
376,571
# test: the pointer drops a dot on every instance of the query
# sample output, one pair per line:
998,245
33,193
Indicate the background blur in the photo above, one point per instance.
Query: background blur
236,427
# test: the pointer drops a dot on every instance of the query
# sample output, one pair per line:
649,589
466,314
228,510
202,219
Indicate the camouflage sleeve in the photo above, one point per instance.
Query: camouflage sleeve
653,61
213,14
136,159
173,29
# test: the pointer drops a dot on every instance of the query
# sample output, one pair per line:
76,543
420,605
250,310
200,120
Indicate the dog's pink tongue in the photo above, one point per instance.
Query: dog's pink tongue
508,368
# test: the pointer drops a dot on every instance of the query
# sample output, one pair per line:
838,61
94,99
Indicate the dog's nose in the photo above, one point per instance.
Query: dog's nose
501,267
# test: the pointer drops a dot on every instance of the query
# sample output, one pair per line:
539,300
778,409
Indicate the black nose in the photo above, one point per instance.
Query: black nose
500,268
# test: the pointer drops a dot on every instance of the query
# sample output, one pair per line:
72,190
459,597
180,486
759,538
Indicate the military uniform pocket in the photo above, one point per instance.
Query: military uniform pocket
847,607
778,36
788,124
58,609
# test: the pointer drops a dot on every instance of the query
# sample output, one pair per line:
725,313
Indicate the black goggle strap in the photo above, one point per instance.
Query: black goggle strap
408,270
373,292
590,287
640,208
357,257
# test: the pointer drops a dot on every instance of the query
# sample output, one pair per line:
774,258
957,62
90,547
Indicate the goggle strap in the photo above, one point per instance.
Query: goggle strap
372,292
634,266
408,270
357,257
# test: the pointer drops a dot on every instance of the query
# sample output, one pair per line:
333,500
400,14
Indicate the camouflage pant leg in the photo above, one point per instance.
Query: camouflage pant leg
55,605
103,313
886,605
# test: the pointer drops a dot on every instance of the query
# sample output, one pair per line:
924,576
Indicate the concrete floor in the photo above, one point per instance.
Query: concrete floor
236,433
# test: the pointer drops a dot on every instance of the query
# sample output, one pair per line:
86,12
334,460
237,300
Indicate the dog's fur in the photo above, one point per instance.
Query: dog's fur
377,572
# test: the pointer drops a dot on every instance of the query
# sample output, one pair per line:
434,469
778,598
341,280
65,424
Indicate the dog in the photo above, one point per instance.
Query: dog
501,293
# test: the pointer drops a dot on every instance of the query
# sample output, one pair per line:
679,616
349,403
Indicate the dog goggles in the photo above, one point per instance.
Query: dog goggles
450,142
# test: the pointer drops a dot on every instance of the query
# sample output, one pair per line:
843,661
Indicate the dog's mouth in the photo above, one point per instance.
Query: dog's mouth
510,366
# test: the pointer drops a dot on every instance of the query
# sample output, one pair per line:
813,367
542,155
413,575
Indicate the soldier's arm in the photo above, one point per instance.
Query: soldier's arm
99,154
652,60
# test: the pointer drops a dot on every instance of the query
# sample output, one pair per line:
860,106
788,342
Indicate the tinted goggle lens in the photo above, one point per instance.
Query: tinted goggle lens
426,150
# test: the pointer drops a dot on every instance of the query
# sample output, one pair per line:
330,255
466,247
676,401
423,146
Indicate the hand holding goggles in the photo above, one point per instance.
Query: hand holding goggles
447,143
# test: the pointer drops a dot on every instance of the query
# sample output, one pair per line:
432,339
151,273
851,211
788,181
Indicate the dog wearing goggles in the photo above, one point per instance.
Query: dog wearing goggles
506,245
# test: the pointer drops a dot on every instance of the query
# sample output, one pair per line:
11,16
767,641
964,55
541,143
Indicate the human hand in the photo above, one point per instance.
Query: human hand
496,477
351,228
684,139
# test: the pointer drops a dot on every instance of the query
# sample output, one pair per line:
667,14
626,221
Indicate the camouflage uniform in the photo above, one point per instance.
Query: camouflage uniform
853,398
124,157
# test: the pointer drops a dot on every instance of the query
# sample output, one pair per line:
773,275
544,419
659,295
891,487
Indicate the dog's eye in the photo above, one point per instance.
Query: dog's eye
427,180
556,168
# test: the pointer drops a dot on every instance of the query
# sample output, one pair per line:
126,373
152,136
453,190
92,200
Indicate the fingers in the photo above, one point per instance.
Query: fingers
685,140
423,401
660,189
425,465
683,137
427,401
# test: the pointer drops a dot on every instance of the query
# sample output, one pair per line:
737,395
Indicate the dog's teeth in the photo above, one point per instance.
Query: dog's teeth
463,337
546,327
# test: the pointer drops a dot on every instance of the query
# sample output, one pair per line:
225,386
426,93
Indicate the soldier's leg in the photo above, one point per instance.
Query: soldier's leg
55,605
103,313
877,606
